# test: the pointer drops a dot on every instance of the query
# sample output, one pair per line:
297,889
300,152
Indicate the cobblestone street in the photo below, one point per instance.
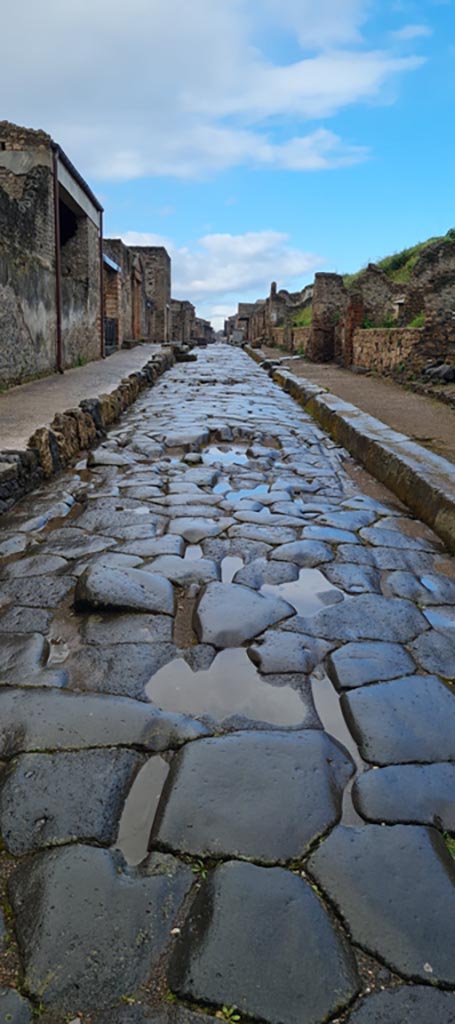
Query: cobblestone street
227,727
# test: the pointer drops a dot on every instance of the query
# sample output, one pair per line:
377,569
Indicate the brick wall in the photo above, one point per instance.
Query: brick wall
301,339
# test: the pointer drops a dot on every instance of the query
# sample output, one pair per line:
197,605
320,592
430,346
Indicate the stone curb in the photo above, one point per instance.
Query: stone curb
52,448
423,481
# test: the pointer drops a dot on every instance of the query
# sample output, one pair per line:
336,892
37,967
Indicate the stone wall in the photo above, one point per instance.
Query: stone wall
30,256
183,317
126,302
157,267
384,349
302,339
27,270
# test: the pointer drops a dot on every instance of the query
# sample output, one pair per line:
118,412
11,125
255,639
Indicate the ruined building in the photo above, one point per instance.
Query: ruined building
128,309
50,259
183,316
157,268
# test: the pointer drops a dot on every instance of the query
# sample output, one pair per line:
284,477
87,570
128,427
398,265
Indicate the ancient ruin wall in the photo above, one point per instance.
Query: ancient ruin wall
384,349
80,289
27,261
157,264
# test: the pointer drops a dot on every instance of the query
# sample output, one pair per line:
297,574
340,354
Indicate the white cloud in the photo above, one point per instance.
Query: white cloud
411,32
220,270
159,87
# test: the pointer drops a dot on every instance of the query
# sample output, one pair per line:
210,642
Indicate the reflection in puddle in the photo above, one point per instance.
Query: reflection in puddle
222,486
441,618
430,585
193,552
328,707
229,566
311,592
234,456
231,686
140,809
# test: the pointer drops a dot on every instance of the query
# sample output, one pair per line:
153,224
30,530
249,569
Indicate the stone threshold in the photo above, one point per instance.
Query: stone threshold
423,481
73,431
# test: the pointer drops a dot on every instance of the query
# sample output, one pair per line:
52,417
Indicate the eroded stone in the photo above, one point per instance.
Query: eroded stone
100,587
245,917
102,929
356,664
229,614
50,799
419,794
411,719
264,796
395,888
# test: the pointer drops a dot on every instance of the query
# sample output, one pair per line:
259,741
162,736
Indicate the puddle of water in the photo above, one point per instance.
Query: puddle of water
193,552
328,708
311,592
440,618
232,685
140,809
430,585
234,456
222,486
229,566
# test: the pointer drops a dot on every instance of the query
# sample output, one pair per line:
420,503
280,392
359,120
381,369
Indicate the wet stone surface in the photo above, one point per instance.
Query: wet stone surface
116,924
395,889
14,1009
407,1004
216,646
223,794
246,917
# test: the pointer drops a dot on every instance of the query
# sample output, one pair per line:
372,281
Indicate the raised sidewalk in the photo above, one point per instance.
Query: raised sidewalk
421,479
44,424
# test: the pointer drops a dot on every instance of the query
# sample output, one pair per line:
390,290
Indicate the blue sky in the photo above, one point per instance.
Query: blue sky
257,139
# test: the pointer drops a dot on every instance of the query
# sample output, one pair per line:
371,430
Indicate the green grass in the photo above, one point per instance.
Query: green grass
450,843
304,318
400,265
418,321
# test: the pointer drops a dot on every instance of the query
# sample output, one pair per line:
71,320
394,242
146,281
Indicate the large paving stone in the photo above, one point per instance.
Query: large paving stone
185,571
135,589
356,579
429,589
382,537
419,794
25,620
330,535
436,652
405,720
32,719
261,571
14,1009
49,799
70,542
89,932
24,661
194,529
395,888
386,558
268,534
259,939
356,664
132,628
229,614
263,796
122,669
39,591
169,544
407,1004
287,652
34,565
367,617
